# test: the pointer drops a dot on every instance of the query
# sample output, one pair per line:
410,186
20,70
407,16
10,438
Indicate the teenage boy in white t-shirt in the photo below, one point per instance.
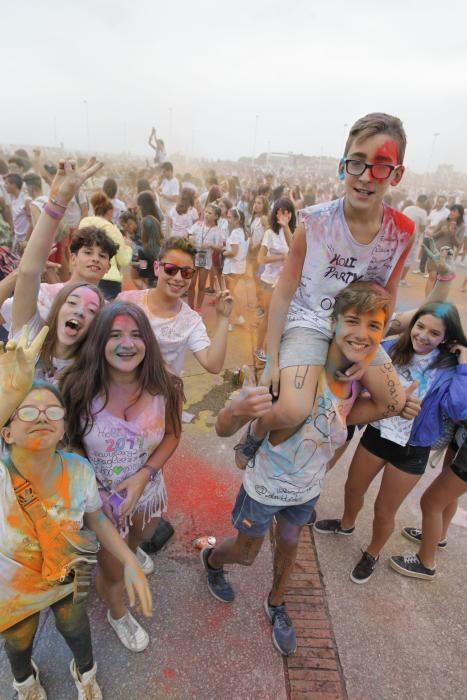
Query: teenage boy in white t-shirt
177,327
283,480
338,242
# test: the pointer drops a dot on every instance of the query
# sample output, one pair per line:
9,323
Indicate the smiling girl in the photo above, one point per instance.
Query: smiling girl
126,417
400,445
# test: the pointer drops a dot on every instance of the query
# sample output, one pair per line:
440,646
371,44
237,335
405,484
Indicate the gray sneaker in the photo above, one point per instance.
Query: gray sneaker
332,527
415,535
365,568
218,587
409,564
283,631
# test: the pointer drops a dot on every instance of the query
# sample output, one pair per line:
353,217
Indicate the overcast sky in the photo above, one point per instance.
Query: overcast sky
208,74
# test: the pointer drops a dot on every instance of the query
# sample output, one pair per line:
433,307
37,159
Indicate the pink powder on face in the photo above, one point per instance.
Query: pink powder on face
87,296
124,323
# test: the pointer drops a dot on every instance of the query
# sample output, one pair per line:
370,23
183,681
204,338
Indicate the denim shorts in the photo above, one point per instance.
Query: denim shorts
254,519
308,346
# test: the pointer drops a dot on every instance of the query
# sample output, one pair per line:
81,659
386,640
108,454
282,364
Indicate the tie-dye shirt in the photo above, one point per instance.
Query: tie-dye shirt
23,591
291,472
334,259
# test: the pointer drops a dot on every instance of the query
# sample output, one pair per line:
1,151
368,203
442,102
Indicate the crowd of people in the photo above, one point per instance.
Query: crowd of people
105,284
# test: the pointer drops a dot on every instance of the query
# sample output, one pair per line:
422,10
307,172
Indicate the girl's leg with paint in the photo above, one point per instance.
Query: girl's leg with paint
235,550
71,620
285,554
18,647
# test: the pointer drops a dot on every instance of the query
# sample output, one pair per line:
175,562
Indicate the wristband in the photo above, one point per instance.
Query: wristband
445,278
152,472
58,204
52,213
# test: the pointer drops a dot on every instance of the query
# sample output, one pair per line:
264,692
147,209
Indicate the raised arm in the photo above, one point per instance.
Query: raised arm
66,183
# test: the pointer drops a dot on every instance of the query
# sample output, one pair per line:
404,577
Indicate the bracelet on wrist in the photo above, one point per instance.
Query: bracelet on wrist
53,213
152,471
56,203
446,278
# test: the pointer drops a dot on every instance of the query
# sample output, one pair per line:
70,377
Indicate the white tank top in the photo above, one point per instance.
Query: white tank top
334,259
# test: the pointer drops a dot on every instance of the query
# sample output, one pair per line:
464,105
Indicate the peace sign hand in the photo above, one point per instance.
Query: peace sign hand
69,179
17,362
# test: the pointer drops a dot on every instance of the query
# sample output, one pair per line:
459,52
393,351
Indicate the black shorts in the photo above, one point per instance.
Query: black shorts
459,465
409,459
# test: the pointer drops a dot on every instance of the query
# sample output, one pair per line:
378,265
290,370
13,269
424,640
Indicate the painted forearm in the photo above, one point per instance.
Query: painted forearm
163,451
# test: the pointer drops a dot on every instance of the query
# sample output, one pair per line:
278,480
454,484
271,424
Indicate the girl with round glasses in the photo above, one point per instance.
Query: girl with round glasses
33,420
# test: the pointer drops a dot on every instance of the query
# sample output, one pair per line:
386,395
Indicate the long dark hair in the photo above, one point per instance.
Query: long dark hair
148,206
151,237
89,375
287,205
47,352
402,351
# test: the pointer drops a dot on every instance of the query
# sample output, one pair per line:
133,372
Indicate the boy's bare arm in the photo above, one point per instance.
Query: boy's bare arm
250,402
387,396
393,282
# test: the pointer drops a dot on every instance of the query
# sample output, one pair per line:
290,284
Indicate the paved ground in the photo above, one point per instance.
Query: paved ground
392,638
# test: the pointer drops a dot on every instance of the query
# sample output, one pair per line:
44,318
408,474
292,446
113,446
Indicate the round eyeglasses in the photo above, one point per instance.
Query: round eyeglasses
378,171
28,414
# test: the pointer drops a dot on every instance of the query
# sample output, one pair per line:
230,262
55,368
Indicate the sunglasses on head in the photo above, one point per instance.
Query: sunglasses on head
171,269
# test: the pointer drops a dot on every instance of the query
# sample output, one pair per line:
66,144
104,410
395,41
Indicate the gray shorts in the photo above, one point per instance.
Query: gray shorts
308,346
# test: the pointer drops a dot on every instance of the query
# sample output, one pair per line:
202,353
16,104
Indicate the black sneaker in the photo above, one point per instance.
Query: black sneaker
218,587
283,631
409,564
364,569
246,449
332,527
415,535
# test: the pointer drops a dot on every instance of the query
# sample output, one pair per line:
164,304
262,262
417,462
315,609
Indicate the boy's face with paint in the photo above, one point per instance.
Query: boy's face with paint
357,334
364,192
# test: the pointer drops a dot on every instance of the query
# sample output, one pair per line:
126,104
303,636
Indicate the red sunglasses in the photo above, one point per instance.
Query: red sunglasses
171,269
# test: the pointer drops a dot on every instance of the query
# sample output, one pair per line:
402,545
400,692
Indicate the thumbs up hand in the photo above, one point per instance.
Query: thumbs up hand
412,404
251,401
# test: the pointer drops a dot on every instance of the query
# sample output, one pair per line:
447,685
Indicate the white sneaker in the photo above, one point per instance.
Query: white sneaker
239,321
145,561
31,688
88,688
129,632
416,272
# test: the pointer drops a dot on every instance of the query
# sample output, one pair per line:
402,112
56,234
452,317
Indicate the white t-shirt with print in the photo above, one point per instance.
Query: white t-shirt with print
236,265
176,335
275,244
291,473
334,259
204,235
257,232
397,429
